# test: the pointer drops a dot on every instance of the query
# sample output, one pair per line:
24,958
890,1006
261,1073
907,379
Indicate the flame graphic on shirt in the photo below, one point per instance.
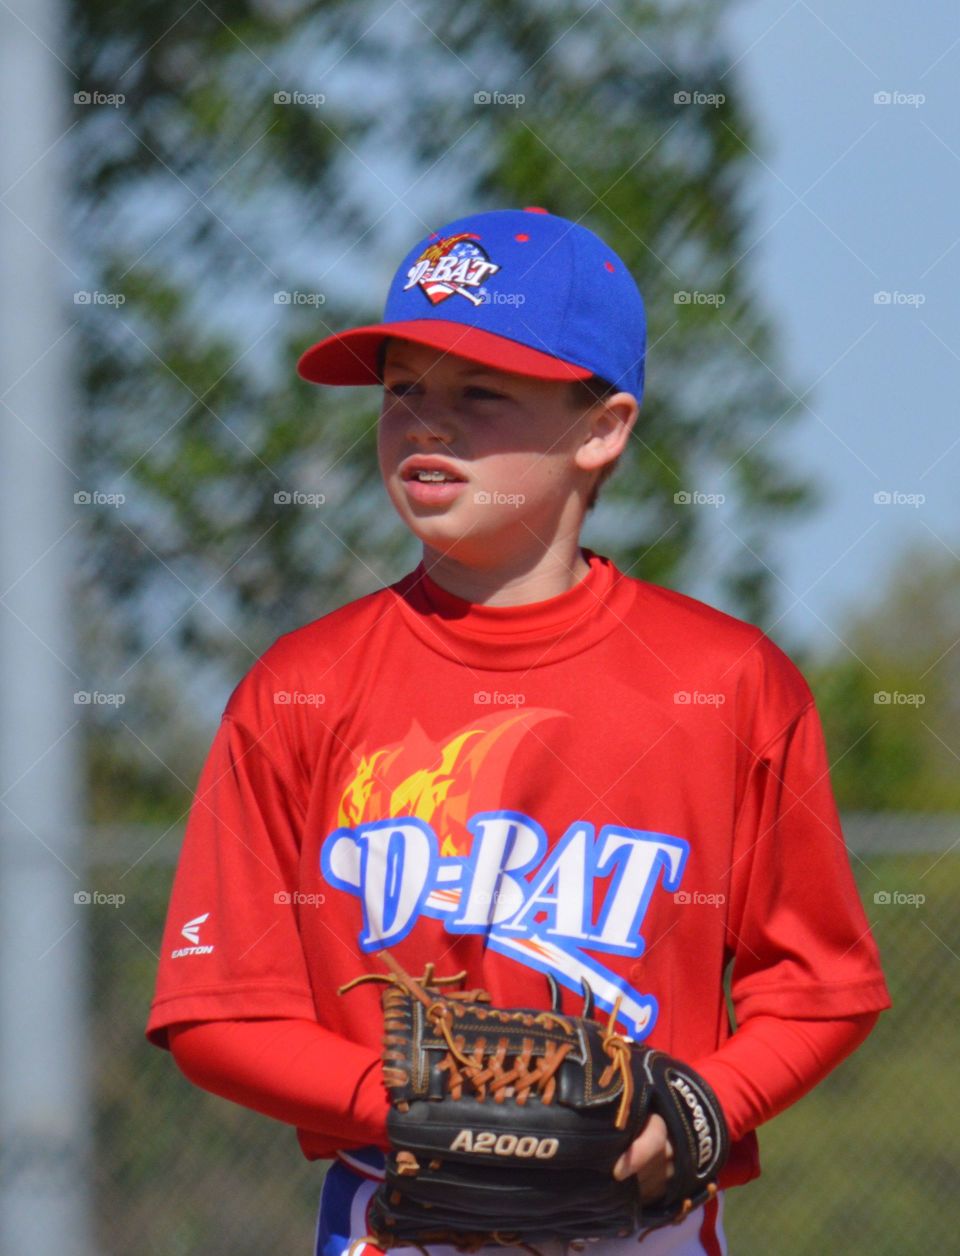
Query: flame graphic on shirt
441,784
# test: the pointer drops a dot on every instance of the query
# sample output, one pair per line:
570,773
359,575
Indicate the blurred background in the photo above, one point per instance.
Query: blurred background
194,192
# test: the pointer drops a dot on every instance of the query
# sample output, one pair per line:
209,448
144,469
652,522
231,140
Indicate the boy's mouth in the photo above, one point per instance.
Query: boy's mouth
430,480
430,471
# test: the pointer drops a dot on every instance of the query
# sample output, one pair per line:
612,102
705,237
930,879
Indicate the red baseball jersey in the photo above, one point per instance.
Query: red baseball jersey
619,785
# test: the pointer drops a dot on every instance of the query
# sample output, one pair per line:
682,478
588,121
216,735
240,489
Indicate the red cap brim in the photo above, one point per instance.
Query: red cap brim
351,356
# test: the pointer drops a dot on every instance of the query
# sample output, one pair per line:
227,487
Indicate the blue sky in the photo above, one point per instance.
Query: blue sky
855,198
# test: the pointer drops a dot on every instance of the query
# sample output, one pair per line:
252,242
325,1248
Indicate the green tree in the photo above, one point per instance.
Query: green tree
890,697
213,187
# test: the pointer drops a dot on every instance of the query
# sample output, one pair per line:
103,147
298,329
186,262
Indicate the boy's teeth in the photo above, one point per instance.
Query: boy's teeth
434,477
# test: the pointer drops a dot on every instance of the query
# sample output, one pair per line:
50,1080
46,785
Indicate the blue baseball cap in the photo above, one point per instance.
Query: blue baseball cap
520,290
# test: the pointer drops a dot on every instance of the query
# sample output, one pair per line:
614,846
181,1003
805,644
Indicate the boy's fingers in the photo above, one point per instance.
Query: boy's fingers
647,1149
635,1156
655,1186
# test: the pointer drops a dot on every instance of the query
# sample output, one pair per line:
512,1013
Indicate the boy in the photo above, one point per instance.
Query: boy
514,761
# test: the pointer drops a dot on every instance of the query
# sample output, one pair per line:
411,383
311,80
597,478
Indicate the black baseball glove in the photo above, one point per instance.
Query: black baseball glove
505,1124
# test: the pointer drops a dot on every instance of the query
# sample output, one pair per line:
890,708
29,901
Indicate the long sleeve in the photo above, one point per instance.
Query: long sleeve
770,1063
232,945
290,1069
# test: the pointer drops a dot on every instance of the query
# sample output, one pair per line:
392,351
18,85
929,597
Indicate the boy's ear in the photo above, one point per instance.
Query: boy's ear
609,424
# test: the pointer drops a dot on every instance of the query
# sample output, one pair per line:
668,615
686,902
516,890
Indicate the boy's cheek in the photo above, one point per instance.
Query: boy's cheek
388,451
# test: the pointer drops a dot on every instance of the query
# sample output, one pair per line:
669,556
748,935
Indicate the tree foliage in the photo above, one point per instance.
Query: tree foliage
224,180
890,696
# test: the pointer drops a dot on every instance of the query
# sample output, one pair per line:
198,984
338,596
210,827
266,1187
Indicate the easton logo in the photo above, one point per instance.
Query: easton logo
489,1143
452,266
191,931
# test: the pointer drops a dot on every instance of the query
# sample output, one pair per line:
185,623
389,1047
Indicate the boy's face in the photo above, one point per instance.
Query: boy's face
505,446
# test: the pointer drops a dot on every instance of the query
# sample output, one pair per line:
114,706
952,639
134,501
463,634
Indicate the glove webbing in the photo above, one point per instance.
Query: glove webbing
485,1069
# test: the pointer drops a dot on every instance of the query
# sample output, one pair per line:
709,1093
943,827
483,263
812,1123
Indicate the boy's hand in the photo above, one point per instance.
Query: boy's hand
650,1158
682,1146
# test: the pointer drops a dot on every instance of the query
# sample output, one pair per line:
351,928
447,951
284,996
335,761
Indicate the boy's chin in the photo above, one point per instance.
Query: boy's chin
472,543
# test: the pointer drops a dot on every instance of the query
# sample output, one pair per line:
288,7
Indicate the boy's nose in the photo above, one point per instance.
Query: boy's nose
426,426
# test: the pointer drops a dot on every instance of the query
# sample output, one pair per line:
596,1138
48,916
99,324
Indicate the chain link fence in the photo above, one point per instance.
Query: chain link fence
864,1164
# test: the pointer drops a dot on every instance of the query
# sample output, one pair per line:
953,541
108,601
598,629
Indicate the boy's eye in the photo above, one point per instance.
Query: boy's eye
402,389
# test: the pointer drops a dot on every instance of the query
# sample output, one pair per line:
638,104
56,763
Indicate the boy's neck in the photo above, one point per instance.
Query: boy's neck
512,582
